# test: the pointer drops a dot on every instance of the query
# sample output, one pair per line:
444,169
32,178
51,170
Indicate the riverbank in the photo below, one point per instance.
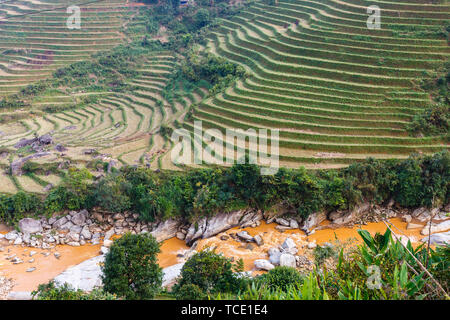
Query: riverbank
48,265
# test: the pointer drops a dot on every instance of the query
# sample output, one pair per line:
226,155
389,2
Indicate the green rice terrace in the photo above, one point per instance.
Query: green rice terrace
337,91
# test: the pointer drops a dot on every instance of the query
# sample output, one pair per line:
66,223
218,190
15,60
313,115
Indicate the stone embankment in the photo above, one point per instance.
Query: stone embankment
79,228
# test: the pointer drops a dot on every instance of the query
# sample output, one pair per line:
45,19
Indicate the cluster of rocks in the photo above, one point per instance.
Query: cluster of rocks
244,237
365,213
5,287
286,223
37,144
74,229
283,255
78,228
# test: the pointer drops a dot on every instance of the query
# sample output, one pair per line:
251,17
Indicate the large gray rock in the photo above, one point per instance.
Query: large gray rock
288,260
293,223
13,235
344,218
418,212
263,264
314,220
166,230
25,142
30,226
274,256
208,227
67,226
439,239
60,222
259,240
73,236
439,227
171,274
85,233
221,222
46,139
244,235
288,244
109,234
79,218
75,228
282,221
85,276
251,218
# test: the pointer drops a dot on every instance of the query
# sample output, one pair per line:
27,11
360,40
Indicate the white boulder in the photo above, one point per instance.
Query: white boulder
263,264
85,276
29,225
287,260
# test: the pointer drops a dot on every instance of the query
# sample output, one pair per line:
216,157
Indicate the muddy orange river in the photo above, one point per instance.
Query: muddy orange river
47,267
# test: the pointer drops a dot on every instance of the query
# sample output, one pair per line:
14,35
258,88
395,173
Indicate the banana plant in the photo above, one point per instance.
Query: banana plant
403,286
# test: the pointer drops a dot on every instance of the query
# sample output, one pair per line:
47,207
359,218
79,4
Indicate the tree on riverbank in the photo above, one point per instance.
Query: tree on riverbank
131,269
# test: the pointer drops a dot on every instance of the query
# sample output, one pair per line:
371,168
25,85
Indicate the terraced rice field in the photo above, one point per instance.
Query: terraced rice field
121,126
35,40
337,91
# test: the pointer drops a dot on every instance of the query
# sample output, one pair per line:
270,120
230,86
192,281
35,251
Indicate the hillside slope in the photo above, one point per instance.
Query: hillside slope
337,91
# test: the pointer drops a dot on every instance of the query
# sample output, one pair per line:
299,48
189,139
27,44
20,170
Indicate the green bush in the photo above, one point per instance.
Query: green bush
321,253
131,269
282,278
13,208
110,194
432,121
211,273
190,291
417,181
50,291
379,269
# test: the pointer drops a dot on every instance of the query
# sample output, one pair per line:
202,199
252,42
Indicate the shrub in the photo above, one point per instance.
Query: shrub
50,291
283,278
110,194
190,291
321,253
131,270
432,121
77,188
211,273
13,208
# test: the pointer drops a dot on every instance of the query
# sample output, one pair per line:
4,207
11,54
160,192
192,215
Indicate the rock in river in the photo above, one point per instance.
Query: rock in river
263,264
29,225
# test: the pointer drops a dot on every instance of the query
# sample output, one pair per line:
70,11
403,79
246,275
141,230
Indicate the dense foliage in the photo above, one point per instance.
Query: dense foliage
50,291
281,278
131,269
379,269
432,121
217,71
207,272
413,182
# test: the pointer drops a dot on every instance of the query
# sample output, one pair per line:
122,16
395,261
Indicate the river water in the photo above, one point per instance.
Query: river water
47,267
